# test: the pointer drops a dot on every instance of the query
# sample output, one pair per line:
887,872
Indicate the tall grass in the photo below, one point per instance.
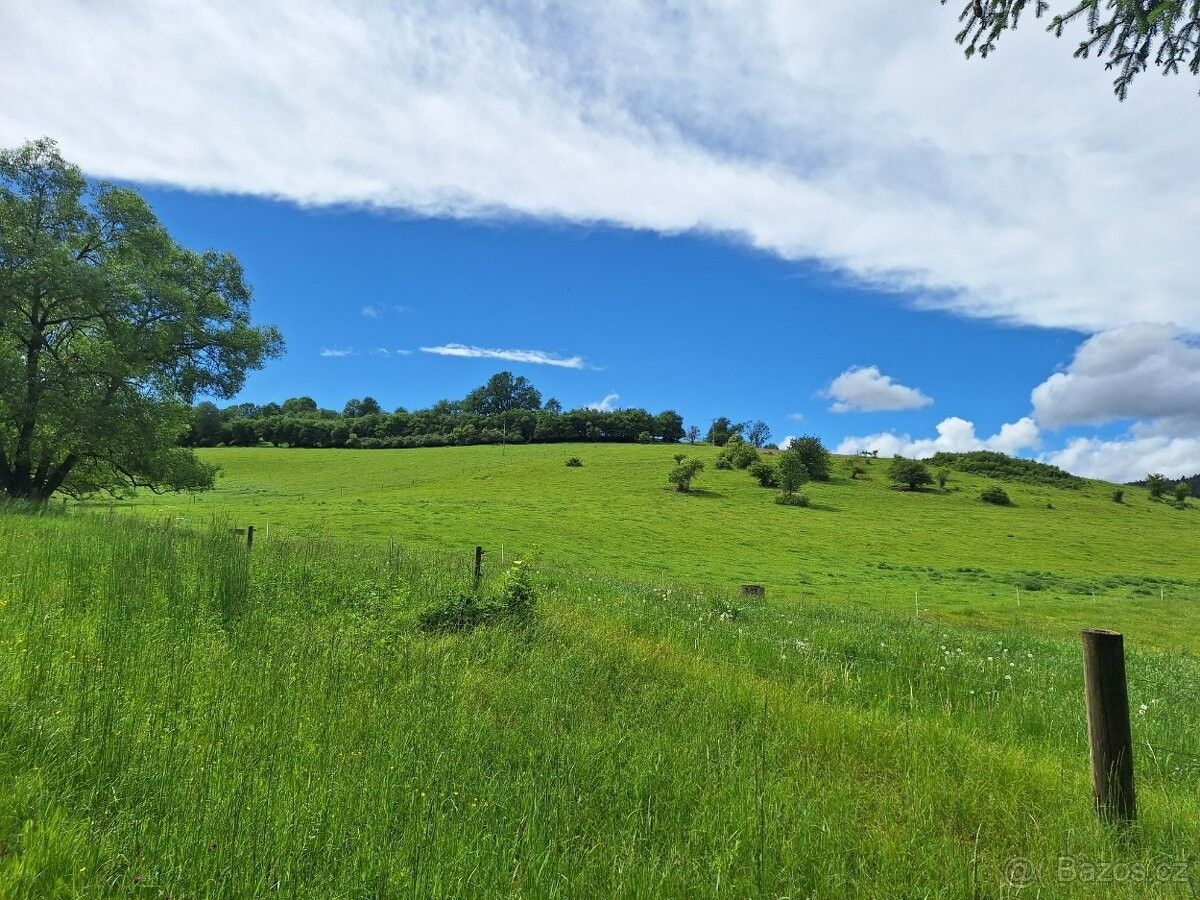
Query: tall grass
179,717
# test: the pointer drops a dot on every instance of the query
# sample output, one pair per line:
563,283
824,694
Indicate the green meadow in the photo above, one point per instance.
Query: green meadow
1054,562
181,717
340,712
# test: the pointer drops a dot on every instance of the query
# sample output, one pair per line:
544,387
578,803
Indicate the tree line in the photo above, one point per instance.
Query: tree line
507,409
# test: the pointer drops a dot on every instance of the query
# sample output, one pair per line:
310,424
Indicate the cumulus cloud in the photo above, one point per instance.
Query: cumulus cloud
535,357
1141,371
1015,189
1129,458
954,435
866,389
338,352
608,404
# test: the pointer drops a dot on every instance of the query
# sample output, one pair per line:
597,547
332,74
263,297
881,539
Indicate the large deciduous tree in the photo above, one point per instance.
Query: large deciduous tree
108,331
503,393
1132,34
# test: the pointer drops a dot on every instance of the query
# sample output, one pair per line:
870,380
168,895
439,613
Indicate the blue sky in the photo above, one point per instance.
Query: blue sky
726,208
693,323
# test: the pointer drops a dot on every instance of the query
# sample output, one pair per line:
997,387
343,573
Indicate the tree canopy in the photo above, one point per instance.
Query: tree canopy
108,331
503,393
299,422
1129,34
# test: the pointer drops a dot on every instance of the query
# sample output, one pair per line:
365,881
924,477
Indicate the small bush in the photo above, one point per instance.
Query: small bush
791,498
574,462
1032,585
909,473
764,472
995,495
791,471
679,457
738,454
1118,496
645,437
516,593
1157,484
812,452
462,612
465,612
684,472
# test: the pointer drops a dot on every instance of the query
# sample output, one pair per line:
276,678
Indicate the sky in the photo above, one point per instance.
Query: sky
825,219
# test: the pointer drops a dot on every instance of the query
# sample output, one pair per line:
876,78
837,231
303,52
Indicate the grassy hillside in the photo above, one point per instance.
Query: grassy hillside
181,718
1056,561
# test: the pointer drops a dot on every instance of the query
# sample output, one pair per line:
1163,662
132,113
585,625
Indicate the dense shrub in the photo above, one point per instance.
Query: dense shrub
791,470
1118,496
461,612
995,495
764,472
684,473
909,473
515,603
1002,467
737,453
574,462
1156,483
816,458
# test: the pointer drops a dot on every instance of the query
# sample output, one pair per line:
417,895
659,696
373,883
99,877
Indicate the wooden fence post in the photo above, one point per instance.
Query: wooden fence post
478,566
1108,725
249,537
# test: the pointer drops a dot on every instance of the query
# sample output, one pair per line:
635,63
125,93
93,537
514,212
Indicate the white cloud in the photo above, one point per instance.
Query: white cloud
1129,458
1141,371
381,351
371,312
796,417
402,352
338,352
536,357
866,389
608,404
954,435
1015,188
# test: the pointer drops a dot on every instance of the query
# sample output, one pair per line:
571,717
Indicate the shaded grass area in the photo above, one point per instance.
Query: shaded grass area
1077,558
180,717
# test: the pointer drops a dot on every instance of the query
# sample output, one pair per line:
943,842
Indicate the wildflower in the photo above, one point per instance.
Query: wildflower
1142,709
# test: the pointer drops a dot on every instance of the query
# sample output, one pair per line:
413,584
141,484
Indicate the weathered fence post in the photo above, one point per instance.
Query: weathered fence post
1108,725
249,537
478,566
